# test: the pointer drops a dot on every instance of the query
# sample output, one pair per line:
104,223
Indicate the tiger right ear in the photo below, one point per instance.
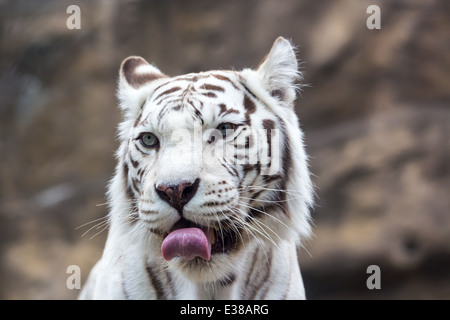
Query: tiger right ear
279,71
134,77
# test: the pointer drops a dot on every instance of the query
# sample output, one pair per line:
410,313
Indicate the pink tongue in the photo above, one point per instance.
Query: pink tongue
187,243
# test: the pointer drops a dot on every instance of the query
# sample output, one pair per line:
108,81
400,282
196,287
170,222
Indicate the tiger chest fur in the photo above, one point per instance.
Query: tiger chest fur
211,194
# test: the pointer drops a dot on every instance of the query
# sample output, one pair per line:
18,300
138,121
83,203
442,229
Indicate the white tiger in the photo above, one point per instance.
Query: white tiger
196,220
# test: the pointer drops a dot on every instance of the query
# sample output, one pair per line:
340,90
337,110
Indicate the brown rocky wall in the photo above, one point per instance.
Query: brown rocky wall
376,116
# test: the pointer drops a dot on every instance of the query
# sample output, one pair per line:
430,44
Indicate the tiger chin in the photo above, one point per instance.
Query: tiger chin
212,194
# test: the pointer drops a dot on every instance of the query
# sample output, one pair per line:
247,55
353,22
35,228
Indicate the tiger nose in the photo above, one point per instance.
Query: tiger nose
178,196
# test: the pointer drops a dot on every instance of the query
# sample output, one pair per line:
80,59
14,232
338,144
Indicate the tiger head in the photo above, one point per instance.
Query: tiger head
211,162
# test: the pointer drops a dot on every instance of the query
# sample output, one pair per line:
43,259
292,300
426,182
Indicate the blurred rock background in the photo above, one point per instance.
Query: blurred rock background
376,117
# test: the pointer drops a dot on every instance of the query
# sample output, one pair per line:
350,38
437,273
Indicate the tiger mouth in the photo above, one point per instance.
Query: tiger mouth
189,240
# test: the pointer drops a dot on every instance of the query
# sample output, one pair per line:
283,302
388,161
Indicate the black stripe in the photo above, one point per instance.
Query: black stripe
138,147
221,77
263,293
232,111
269,125
134,163
253,213
143,211
197,112
156,283
255,196
250,92
223,108
236,173
226,167
182,78
227,280
140,173
250,108
211,87
138,119
133,217
267,179
244,295
168,91
257,285
124,289
129,192
286,164
163,111
135,184
171,284
210,94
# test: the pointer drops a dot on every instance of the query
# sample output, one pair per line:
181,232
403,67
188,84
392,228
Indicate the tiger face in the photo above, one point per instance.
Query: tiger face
208,162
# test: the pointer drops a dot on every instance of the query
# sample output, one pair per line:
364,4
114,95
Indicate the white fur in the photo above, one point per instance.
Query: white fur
121,273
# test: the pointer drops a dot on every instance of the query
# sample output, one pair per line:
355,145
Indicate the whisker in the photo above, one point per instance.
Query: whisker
220,228
85,224
236,221
277,203
270,189
101,204
267,214
266,235
303,247
278,220
106,227
97,226
263,226
271,201
231,224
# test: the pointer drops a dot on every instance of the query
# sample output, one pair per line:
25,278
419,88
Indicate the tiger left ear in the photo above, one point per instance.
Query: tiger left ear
136,72
278,71
135,75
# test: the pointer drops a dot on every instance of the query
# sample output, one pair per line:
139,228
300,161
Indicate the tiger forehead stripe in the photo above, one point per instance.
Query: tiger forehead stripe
212,87
223,108
210,94
249,106
168,91
224,78
197,77
138,120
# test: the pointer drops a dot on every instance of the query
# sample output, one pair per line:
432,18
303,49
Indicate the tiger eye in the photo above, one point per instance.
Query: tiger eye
149,140
225,128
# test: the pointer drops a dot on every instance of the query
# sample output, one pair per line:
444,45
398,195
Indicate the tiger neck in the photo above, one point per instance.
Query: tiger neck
206,291
171,283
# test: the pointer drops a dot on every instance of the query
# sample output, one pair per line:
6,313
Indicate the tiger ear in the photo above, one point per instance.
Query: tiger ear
136,72
278,71
135,75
